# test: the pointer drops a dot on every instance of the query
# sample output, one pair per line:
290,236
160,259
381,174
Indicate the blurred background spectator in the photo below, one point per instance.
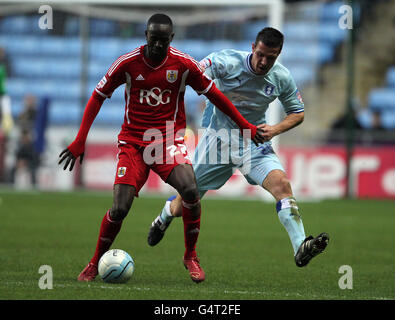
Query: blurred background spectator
26,157
6,120
26,161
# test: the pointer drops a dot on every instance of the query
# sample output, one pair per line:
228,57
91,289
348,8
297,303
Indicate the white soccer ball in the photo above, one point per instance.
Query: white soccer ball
116,266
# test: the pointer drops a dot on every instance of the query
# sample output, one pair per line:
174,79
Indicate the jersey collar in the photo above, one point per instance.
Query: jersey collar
248,64
151,63
251,70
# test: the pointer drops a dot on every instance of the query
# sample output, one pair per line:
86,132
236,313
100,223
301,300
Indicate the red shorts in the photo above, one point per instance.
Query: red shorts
135,162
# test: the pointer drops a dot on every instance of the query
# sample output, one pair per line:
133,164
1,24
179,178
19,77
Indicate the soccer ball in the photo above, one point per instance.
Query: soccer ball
116,266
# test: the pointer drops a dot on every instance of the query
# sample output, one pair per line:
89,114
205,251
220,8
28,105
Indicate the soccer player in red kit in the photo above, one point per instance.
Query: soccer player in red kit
155,75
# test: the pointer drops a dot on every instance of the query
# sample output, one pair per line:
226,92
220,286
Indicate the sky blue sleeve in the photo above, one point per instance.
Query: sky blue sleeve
214,65
291,98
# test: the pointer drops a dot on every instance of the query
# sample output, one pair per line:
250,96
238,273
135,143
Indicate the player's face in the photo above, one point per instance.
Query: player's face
263,57
158,37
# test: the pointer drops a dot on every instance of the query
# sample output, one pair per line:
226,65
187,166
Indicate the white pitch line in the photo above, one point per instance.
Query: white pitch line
160,289
125,287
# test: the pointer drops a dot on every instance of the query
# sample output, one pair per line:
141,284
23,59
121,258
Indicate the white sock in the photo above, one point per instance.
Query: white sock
166,215
289,216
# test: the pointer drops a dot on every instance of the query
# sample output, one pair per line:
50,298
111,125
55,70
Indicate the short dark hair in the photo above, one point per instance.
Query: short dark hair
270,37
160,18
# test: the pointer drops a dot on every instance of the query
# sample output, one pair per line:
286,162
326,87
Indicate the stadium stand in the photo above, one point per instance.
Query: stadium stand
49,65
381,101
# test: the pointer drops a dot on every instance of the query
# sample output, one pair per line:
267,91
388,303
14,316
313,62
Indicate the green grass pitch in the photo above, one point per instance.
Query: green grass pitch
244,250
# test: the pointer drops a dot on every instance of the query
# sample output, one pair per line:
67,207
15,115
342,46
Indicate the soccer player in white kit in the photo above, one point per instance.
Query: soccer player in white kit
251,80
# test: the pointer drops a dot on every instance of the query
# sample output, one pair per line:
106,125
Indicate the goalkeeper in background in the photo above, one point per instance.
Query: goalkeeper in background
251,80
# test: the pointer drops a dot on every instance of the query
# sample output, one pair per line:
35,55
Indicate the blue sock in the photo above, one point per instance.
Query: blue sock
289,216
166,215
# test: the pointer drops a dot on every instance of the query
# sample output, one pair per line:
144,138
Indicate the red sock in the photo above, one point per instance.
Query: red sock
108,231
191,227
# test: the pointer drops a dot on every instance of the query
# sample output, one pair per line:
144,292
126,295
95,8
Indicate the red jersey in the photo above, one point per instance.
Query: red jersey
154,94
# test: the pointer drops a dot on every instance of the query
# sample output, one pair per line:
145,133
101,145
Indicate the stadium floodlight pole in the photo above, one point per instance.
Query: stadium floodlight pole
350,191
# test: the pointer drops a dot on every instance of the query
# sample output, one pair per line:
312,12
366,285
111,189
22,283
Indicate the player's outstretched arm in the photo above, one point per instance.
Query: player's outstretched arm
290,121
227,107
77,147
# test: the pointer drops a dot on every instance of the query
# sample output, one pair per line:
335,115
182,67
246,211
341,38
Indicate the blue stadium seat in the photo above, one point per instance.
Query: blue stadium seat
330,32
64,113
299,31
17,87
22,25
245,45
27,67
391,77
100,27
18,25
197,49
302,73
117,97
37,68
127,45
330,10
98,68
17,106
17,45
382,99
34,45
388,119
59,89
310,10
364,117
224,44
110,114
60,46
307,52
105,48
72,26
251,29
321,32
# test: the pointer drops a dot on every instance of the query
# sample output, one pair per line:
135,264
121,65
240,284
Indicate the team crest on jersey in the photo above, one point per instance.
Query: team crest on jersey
121,171
171,75
269,89
299,96
205,63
